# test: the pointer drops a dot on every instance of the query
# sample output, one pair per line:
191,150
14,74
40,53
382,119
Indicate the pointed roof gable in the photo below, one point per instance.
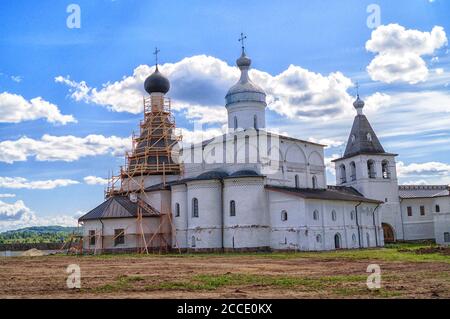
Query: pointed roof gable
362,139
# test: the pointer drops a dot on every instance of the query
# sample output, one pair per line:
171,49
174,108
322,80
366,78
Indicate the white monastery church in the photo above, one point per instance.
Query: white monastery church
252,190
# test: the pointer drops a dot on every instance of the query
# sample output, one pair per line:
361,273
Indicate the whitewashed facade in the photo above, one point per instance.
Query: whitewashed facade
253,190
408,213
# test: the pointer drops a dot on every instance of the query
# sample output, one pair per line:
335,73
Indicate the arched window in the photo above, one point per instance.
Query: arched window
232,208
314,182
235,123
333,215
319,238
385,169
284,216
352,215
371,169
353,171
438,209
255,122
337,241
247,149
354,239
368,239
194,207
353,138
235,149
369,137
316,215
343,174
177,210
193,243
297,181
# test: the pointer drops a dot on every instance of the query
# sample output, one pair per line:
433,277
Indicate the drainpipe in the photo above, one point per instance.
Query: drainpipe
103,228
187,218
222,213
357,224
375,225
401,218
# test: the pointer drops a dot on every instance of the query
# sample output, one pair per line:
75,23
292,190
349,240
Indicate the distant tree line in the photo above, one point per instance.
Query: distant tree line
36,235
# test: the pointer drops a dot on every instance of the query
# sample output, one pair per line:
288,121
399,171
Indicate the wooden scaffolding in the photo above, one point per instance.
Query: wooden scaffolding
154,152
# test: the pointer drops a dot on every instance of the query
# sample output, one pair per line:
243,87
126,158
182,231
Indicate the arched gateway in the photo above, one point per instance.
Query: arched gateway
388,232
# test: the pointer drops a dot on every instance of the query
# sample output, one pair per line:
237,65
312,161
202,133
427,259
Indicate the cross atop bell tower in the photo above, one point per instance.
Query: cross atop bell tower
242,39
155,53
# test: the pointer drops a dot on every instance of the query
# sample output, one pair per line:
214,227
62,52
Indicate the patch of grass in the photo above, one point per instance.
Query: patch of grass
339,285
402,252
343,278
213,282
122,283
405,245
353,292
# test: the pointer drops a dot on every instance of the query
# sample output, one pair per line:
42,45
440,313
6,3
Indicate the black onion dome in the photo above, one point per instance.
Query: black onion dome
157,83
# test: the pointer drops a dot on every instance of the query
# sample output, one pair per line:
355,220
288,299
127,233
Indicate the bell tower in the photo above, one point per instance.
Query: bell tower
368,168
245,101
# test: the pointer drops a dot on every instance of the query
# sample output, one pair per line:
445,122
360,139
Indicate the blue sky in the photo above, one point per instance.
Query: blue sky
89,81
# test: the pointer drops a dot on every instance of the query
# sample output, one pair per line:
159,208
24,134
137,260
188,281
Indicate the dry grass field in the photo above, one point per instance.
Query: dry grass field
408,271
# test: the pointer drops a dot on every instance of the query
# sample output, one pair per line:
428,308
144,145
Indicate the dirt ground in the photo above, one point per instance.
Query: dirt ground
221,276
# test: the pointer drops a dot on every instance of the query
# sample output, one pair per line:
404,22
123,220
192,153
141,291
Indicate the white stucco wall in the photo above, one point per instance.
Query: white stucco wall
418,227
300,231
290,157
250,227
133,237
379,188
205,230
245,113
442,219
180,235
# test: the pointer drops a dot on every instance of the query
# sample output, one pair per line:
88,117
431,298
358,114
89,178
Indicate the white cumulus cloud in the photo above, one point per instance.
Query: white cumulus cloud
66,148
200,83
197,136
423,169
15,108
18,215
424,173
15,211
399,53
94,180
23,183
